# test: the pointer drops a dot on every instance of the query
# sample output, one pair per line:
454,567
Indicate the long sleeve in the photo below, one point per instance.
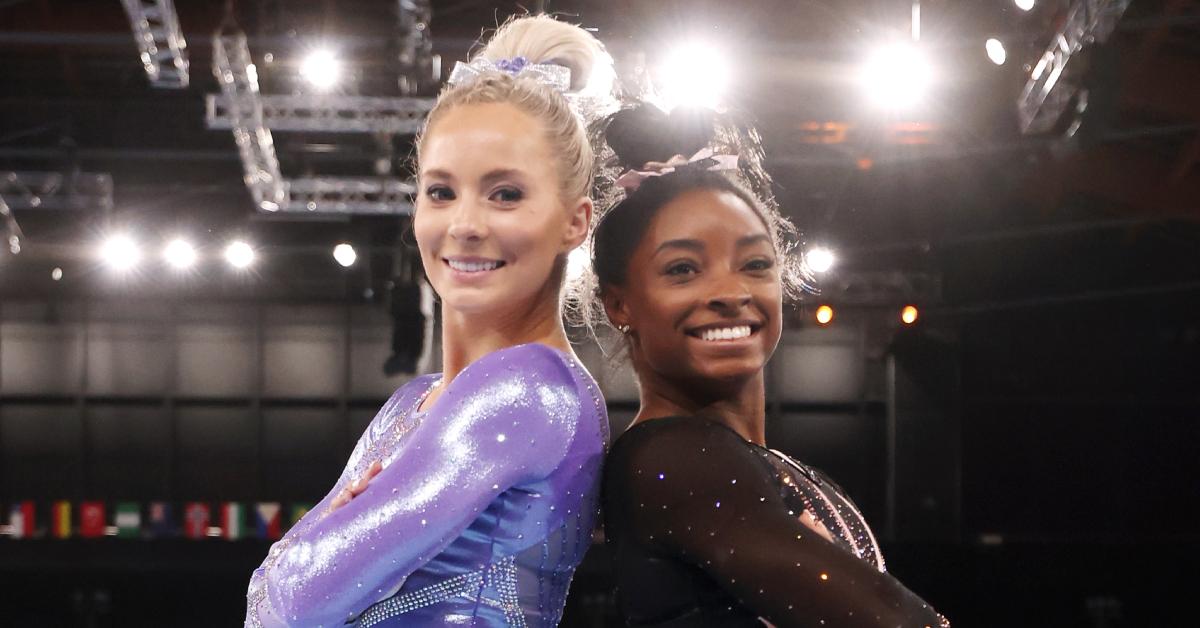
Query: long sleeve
693,491
506,419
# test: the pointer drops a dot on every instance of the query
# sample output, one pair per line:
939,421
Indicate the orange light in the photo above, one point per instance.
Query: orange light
824,315
908,315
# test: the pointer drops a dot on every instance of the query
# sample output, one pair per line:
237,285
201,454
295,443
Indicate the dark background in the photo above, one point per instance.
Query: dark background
1041,467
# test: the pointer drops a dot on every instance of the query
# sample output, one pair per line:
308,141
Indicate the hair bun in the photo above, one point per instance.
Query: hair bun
646,133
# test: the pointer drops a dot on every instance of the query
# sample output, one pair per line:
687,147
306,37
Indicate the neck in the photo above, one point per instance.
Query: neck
466,337
738,404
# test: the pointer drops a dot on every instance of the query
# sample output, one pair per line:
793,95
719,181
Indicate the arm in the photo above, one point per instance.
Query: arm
506,419
717,507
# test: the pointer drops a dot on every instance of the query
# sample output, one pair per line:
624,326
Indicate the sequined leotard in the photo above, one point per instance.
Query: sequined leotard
483,509
704,529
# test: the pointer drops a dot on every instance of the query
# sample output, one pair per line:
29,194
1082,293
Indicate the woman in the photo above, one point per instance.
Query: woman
707,526
470,498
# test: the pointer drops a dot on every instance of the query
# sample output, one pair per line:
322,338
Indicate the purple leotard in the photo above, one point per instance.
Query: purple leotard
483,509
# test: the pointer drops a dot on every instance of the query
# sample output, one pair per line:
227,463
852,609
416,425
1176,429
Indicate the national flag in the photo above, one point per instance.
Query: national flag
21,520
91,519
196,516
232,521
60,520
298,512
266,520
129,520
162,523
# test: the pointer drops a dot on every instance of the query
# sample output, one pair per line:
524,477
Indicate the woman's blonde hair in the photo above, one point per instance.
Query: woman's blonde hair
540,39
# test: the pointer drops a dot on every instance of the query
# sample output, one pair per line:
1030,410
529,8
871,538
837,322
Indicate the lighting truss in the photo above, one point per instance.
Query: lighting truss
334,114
12,231
238,78
1047,93
880,288
160,41
417,63
55,190
347,195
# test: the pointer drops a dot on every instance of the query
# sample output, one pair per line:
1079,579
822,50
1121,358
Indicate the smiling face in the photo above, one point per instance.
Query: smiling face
490,220
702,293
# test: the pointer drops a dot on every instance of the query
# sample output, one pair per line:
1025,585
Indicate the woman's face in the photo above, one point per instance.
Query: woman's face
702,295
490,220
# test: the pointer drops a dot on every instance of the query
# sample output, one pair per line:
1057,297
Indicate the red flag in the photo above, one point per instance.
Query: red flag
196,517
91,519
21,520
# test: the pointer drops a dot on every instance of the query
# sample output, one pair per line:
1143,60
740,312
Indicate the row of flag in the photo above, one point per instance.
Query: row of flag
95,519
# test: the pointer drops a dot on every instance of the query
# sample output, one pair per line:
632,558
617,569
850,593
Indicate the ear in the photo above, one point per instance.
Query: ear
615,305
579,221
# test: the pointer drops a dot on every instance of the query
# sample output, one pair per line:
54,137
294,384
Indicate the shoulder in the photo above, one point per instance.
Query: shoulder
690,445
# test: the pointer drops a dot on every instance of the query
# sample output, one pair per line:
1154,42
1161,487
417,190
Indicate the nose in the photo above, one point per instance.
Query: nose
468,222
730,294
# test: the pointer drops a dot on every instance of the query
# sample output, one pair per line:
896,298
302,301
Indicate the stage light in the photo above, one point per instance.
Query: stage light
896,76
1024,5
180,254
321,69
909,314
345,255
824,315
120,252
819,259
577,262
694,74
995,51
56,274
239,254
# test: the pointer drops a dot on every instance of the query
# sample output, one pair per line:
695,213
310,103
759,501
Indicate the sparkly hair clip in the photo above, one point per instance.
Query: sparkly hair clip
704,159
553,75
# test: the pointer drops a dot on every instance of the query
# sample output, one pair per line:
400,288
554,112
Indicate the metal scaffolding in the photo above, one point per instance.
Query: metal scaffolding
1048,91
160,41
331,114
55,190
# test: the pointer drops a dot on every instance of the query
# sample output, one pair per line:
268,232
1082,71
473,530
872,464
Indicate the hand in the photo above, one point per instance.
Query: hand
356,487
809,520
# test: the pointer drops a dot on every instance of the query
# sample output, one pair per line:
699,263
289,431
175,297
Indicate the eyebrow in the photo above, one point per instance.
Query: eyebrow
491,177
696,245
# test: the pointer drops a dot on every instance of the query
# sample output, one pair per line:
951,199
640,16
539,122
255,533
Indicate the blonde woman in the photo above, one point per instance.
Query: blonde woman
471,497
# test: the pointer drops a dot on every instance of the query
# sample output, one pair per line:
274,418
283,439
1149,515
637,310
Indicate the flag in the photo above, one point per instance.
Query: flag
21,520
61,520
298,512
129,520
162,524
91,519
195,520
232,521
266,520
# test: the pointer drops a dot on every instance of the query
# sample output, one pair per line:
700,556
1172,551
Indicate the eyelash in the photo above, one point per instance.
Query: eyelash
432,191
515,191
435,192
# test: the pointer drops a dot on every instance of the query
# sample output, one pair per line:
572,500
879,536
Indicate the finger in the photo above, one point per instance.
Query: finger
374,469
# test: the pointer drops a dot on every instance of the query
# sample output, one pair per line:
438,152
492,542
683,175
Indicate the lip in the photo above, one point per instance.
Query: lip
471,276
693,333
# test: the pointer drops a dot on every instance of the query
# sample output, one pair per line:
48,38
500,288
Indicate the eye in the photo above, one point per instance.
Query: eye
760,264
682,269
439,193
508,195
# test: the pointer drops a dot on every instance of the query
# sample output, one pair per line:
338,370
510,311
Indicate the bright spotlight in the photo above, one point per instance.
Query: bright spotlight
321,69
180,254
56,274
120,252
819,259
1024,5
239,254
345,255
909,314
995,51
577,262
897,76
694,74
824,315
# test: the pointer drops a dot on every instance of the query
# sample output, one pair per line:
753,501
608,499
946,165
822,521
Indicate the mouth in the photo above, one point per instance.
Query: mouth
471,265
725,332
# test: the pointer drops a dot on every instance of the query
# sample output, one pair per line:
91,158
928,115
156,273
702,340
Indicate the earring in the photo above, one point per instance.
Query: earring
624,329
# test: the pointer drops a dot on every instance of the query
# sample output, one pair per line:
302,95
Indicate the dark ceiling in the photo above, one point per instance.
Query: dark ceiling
1001,217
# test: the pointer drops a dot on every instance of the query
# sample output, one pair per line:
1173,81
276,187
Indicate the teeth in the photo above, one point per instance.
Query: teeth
725,333
473,267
